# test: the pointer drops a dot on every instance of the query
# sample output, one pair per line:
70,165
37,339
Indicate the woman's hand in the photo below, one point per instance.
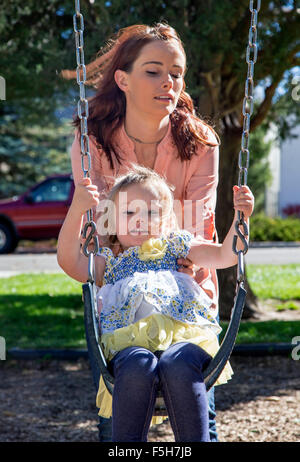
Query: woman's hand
243,200
86,196
188,267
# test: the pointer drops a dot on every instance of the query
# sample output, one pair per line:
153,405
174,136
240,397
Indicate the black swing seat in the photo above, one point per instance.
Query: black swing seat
211,373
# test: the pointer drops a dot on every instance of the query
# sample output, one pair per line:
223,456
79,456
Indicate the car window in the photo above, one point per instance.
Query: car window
56,189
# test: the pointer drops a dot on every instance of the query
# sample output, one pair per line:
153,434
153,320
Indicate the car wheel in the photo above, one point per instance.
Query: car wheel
8,240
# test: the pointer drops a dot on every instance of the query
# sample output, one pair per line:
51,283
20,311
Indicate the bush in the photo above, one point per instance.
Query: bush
263,228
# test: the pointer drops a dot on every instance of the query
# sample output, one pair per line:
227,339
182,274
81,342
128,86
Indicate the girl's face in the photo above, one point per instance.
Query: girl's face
138,215
156,80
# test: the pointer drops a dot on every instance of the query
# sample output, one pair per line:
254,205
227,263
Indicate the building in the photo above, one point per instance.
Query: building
284,161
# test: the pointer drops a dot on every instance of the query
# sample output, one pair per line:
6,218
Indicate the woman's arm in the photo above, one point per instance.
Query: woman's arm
221,255
201,189
200,195
69,255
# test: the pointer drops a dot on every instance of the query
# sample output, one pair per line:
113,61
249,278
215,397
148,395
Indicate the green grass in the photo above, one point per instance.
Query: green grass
265,331
287,306
275,281
41,311
46,310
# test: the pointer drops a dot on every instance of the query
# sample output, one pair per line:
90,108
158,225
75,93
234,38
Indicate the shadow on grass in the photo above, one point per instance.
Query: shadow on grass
42,321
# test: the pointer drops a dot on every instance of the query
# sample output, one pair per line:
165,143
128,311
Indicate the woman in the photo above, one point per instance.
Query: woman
142,114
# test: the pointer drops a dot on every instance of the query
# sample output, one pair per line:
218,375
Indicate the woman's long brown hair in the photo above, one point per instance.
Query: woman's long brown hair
108,106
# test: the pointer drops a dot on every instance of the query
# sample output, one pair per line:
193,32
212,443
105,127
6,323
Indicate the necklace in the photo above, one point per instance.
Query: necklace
143,142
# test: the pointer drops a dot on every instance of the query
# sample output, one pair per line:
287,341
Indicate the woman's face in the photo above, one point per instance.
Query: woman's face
156,80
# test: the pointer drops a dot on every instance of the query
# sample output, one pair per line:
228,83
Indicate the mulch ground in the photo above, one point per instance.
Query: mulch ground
54,401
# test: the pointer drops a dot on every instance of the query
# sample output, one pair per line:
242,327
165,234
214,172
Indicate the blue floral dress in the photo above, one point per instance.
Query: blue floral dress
146,302
145,280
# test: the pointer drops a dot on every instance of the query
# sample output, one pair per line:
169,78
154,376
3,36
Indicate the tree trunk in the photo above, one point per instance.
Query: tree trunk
229,150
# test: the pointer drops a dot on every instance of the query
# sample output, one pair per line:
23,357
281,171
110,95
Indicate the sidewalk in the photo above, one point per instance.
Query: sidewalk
274,253
265,244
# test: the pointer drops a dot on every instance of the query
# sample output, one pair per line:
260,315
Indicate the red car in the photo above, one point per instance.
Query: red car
37,214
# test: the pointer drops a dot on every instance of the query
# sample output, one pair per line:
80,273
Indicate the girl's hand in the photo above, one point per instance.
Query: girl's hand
86,196
188,267
243,200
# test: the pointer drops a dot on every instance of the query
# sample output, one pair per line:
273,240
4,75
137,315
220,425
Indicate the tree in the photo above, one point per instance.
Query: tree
30,153
34,140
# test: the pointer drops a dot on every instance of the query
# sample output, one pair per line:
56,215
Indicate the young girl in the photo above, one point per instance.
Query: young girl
147,305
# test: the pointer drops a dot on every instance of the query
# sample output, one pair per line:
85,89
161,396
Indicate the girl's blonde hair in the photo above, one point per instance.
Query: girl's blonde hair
156,184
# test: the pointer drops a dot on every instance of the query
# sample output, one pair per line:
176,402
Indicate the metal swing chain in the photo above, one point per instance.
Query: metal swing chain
91,244
244,154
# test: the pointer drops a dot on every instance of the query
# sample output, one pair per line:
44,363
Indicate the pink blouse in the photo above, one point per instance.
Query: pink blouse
195,183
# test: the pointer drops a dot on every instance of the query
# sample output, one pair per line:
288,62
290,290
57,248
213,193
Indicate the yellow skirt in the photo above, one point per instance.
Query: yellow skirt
156,332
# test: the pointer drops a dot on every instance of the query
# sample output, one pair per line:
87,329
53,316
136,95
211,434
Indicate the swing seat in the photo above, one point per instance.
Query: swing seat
212,371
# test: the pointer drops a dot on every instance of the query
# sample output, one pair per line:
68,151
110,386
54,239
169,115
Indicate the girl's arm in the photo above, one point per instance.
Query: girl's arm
69,255
221,255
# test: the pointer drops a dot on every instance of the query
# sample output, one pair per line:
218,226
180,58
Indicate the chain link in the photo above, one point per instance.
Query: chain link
244,154
91,244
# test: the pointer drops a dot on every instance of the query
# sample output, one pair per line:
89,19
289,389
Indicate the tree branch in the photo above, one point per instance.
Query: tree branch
213,81
264,107
270,90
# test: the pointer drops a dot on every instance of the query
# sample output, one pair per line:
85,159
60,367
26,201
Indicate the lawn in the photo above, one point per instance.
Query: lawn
46,311
41,311
275,281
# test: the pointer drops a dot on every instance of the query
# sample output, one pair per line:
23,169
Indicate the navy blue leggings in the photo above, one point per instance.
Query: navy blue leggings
178,372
